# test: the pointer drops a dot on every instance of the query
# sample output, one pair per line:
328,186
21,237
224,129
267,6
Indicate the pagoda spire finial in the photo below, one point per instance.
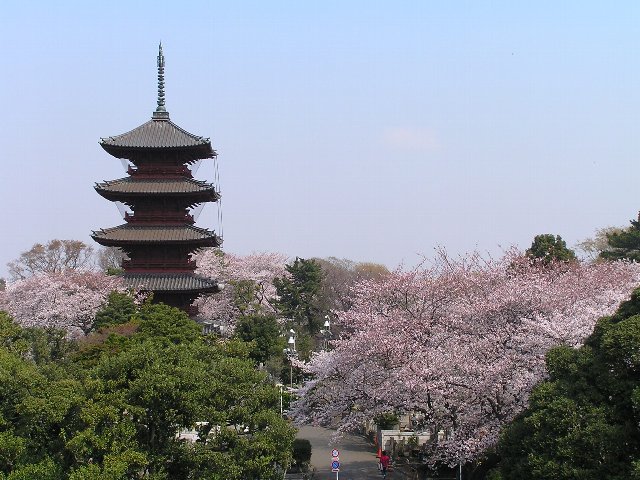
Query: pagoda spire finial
161,111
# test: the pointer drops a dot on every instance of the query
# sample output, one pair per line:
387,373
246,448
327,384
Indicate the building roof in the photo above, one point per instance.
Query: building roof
126,234
157,133
146,187
183,282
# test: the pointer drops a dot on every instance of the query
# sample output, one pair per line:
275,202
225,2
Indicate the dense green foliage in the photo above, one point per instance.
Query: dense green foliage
113,407
264,333
548,248
301,451
584,422
623,244
119,309
299,294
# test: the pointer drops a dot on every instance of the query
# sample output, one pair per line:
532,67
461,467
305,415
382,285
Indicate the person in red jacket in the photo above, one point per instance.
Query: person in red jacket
384,463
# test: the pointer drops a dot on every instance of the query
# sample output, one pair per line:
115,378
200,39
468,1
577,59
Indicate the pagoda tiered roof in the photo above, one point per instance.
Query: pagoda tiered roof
179,282
159,133
156,234
178,186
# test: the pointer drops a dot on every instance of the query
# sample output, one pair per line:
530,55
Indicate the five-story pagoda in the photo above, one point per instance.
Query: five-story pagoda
159,235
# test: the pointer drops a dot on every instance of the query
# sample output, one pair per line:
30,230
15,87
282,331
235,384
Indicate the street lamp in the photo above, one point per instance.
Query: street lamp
291,352
279,385
326,332
292,340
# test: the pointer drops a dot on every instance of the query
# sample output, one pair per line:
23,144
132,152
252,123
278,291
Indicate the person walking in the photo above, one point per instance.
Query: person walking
384,463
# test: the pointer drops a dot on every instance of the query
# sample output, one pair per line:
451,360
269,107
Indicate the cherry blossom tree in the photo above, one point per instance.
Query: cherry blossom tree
66,300
459,343
248,284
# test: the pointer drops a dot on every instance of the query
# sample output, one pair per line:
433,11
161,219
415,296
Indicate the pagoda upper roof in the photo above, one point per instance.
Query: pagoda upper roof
170,282
127,234
159,133
171,186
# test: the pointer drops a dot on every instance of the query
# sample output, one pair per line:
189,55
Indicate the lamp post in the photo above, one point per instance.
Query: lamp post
292,340
290,352
279,385
326,332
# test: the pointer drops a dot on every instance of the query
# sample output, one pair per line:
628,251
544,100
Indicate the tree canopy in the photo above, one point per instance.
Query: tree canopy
116,406
248,280
582,422
264,333
623,244
55,256
66,300
460,344
299,293
339,276
548,248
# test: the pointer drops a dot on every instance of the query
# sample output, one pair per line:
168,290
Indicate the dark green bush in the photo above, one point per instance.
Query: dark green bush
301,451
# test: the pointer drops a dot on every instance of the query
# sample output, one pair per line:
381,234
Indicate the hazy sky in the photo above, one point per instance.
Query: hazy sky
367,130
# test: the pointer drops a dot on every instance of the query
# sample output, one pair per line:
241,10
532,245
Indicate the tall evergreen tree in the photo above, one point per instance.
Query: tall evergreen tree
299,292
549,248
624,244
264,333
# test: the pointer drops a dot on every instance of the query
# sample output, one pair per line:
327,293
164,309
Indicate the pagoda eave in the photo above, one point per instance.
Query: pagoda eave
191,244
191,154
189,198
183,283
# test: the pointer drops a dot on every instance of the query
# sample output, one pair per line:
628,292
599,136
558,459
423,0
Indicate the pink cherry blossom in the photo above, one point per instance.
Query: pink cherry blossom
460,343
68,300
230,269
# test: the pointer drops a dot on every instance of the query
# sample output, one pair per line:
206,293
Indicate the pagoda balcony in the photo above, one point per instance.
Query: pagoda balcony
160,218
141,266
148,171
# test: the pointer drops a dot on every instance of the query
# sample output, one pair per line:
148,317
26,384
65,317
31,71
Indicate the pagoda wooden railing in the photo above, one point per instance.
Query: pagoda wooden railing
155,171
162,218
158,265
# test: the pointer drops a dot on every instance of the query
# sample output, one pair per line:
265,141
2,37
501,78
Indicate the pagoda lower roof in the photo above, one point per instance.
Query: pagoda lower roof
157,134
127,234
170,282
175,186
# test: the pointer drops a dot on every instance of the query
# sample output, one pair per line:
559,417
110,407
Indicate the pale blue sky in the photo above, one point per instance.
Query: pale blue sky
361,129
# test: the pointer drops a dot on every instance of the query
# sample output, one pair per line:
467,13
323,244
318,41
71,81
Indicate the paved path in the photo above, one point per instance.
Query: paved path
357,457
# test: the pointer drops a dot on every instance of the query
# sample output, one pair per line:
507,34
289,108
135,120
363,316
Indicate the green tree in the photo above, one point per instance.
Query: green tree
549,248
623,244
119,309
298,294
583,422
116,412
39,345
264,333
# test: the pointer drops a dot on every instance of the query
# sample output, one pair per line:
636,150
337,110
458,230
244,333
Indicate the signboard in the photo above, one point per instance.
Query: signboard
335,461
